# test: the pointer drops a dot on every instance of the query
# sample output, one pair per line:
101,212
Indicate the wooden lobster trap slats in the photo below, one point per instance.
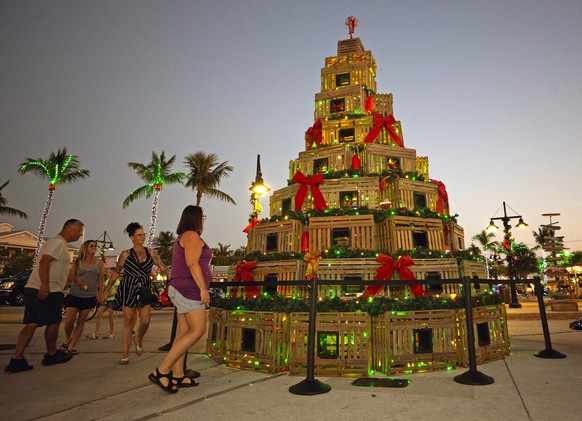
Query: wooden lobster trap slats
402,192
414,341
351,192
473,269
437,269
283,270
421,166
331,158
355,232
276,237
340,269
283,200
257,340
457,234
342,344
377,158
410,232
491,334
216,340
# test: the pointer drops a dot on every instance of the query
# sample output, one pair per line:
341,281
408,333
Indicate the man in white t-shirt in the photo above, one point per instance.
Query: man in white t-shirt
44,298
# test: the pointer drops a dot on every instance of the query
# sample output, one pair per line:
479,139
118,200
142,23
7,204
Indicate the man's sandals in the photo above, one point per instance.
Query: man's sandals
157,377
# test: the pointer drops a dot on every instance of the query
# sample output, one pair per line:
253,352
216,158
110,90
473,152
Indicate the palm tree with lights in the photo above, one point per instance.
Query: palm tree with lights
60,167
6,210
484,238
205,176
156,173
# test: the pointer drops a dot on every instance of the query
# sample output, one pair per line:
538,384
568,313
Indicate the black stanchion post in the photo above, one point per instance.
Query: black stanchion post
472,376
548,352
311,386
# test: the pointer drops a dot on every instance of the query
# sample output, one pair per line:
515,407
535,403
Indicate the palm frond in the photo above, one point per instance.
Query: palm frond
143,191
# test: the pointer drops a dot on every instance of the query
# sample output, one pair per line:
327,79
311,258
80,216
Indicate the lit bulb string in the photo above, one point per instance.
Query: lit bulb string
42,226
154,218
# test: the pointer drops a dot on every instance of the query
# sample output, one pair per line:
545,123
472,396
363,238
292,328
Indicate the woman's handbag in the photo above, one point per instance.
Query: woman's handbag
147,294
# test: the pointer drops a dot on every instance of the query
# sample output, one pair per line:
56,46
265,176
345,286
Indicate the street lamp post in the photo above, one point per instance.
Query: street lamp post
105,244
258,188
508,249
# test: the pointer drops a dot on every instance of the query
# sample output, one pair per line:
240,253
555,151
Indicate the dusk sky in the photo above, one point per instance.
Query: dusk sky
490,91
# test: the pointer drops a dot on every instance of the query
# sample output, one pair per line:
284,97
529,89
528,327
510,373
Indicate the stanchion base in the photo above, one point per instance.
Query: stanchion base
514,305
309,387
475,378
549,353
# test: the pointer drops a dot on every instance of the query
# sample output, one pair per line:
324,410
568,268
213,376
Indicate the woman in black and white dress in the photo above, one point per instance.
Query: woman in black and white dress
135,267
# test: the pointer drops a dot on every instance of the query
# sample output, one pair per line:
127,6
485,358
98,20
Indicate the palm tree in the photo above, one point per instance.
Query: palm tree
164,245
156,173
205,176
540,235
525,260
7,211
484,238
240,252
59,168
222,255
474,250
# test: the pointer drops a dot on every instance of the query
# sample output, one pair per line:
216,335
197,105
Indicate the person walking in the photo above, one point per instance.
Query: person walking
109,307
188,290
44,298
87,289
135,266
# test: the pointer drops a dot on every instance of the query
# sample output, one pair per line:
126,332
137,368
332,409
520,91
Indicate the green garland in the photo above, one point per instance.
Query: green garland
344,252
374,306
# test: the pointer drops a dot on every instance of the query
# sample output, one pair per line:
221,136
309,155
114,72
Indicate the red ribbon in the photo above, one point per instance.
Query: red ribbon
385,272
443,196
254,222
386,123
313,134
243,273
314,181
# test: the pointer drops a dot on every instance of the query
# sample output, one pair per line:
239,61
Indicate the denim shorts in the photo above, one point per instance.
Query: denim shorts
183,304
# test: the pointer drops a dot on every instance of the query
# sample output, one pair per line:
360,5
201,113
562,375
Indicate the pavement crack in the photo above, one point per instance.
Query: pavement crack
206,397
517,390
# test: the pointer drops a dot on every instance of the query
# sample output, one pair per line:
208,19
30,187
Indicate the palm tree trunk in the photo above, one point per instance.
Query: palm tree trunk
42,226
154,217
198,197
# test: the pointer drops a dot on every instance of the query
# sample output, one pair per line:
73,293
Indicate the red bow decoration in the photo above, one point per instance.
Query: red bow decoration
313,134
252,224
386,123
314,181
443,196
243,273
385,272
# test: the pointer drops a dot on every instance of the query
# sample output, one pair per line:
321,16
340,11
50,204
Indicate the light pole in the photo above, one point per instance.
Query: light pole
508,249
258,188
105,245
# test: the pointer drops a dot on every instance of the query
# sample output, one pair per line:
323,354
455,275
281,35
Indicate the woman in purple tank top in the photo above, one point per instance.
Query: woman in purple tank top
188,290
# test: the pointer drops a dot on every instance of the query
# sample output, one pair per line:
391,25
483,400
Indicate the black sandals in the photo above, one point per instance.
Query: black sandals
156,378
180,382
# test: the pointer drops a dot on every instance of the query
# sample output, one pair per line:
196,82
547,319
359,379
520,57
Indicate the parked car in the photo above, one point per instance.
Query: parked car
12,289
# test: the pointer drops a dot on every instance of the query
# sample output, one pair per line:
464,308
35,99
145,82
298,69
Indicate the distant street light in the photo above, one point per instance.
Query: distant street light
258,188
105,244
508,249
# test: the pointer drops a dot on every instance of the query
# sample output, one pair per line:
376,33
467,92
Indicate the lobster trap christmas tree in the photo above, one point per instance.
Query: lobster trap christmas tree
359,204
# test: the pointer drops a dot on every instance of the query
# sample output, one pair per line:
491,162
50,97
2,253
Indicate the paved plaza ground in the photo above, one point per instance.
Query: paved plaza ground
94,387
